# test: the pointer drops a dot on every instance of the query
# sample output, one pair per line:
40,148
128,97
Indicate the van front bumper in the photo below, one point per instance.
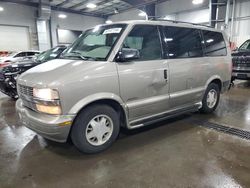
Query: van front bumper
52,127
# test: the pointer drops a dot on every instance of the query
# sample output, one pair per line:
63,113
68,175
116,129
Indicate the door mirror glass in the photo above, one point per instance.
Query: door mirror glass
127,54
235,49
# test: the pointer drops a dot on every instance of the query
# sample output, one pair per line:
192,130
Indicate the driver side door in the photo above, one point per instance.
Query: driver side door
144,82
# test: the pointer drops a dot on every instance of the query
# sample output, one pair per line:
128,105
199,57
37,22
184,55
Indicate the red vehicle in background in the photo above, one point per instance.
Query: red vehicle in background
4,53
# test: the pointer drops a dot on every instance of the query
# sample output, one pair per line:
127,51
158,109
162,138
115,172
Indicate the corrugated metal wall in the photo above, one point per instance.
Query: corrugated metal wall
241,31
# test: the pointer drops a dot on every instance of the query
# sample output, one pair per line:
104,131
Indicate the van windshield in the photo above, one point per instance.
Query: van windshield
95,44
245,45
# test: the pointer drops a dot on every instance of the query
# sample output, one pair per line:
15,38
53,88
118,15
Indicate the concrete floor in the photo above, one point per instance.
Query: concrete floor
173,153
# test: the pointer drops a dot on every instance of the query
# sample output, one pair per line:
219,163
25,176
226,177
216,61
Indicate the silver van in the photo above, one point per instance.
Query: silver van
127,74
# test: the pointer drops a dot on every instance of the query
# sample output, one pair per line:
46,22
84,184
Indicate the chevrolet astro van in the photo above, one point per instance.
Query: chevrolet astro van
127,74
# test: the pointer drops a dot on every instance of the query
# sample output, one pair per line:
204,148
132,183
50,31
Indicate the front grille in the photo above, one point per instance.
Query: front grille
1,76
26,94
241,64
26,90
241,61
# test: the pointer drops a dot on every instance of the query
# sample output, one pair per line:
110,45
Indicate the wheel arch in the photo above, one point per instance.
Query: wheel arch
103,98
215,79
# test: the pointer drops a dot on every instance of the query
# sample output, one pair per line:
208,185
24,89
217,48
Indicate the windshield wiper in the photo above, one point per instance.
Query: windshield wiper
75,54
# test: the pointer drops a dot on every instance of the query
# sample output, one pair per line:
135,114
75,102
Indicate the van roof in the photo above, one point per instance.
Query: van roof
167,23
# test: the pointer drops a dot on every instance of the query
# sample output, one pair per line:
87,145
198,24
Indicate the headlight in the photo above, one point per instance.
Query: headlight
47,101
45,94
54,110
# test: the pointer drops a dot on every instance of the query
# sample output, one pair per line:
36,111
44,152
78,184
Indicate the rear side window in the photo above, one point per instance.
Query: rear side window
21,54
146,39
182,42
214,43
31,53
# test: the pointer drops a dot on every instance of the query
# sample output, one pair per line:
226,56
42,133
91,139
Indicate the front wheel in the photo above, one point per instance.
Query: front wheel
211,98
95,129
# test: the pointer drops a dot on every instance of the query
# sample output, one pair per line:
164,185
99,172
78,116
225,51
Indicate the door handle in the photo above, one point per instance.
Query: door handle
165,72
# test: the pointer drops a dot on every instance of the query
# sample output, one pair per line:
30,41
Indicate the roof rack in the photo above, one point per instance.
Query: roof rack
174,21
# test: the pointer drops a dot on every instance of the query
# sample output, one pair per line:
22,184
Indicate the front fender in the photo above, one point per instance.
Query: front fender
95,97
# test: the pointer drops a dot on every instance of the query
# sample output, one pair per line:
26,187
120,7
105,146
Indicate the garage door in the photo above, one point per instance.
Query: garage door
14,38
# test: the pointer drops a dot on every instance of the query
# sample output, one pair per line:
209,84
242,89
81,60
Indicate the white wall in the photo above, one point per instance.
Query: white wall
177,6
182,10
241,31
197,16
128,15
19,15
72,22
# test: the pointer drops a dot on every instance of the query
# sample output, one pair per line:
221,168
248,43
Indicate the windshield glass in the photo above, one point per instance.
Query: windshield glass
245,45
49,54
96,43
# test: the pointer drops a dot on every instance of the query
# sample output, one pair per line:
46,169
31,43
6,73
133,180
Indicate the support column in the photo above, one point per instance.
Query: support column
43,26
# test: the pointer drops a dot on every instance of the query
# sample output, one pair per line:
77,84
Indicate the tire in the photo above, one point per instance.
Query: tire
86,133
207,105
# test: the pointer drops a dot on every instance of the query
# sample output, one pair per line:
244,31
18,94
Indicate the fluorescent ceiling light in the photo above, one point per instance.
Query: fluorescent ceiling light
168,39
210,40
142,14
91,5
109,21
1,9
197,2
63,16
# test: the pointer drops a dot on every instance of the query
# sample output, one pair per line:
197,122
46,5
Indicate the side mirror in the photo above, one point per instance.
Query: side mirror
236,49
127,54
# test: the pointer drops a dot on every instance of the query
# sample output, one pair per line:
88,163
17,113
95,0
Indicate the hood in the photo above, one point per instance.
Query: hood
241,53
58,72
20,66
24,63
2,59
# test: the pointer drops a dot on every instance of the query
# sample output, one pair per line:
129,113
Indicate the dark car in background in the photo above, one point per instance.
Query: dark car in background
9,74
241,62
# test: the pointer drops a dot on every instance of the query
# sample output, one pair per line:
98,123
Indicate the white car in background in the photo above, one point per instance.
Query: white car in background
17,56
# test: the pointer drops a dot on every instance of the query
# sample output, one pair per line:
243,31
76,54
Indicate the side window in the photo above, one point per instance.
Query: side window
215,44
30,53
144,38
21,54
182,42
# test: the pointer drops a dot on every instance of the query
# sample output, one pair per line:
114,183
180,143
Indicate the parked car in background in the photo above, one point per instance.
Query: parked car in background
127,74
17,56
9,74
241,62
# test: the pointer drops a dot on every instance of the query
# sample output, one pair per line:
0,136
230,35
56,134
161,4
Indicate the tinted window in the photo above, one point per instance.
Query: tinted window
146,39
215,44
31,53
21,54
245,45
182,42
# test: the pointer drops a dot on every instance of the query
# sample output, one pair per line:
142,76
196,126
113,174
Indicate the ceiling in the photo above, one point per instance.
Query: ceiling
104,8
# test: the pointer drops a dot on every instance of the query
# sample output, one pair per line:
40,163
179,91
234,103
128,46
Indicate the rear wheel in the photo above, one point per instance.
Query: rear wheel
95,129
211,98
